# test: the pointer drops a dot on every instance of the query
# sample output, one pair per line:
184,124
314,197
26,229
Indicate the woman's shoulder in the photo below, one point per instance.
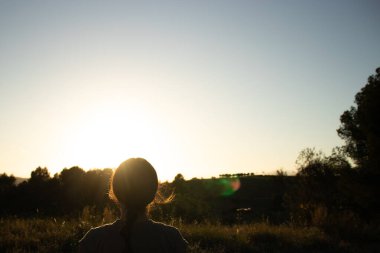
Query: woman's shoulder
96,236
162,228
171,233
103,229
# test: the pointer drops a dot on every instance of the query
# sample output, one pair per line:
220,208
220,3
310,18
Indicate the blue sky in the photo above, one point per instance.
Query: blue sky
197,87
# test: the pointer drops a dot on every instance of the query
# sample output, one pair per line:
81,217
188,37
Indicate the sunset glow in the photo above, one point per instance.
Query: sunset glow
198,88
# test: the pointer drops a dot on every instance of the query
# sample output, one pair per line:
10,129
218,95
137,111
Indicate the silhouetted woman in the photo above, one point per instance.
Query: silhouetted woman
133,187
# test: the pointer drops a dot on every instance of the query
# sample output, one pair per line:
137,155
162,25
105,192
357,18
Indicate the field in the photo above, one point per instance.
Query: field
323,213
62,235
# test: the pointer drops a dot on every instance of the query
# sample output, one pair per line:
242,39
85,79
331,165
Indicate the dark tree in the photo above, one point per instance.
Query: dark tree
7,181
96,184
39,175
360,126
7,186
73,188
316,189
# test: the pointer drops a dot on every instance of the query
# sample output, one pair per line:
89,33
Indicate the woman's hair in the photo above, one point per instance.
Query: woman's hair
133,186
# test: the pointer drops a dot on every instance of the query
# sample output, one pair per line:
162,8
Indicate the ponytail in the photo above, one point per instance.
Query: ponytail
132,215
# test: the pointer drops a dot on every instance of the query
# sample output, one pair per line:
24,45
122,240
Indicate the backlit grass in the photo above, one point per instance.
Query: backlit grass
62,235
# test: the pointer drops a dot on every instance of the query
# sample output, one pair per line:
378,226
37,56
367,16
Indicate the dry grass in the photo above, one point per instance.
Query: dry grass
59,235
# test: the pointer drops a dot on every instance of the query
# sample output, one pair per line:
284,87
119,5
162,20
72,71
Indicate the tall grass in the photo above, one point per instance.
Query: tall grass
40,235
62,235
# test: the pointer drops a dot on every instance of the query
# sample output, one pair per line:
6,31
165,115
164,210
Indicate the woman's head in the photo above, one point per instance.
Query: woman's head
134,184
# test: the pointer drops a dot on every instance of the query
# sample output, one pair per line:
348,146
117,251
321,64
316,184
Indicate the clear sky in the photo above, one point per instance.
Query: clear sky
197,87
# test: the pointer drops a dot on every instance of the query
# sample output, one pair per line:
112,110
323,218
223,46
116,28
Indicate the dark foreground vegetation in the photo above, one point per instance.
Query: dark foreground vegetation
62,235
330,205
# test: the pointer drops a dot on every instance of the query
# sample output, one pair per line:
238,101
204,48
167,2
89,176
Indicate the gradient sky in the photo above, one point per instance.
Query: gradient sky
197,87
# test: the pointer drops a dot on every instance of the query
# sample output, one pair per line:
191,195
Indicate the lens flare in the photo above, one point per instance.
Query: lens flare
229,186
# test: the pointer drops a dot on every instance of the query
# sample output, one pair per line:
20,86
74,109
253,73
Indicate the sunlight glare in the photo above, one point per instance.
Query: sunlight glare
109,136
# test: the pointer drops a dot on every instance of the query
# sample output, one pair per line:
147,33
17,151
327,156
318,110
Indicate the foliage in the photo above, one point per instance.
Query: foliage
330,194
62,235
39,175
229,199
315,193
360,126
66,193
7,183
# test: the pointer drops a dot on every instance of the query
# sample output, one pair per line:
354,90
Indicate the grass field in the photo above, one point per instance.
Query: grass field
60,235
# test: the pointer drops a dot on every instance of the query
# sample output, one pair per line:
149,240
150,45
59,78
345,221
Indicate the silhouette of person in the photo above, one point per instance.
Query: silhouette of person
133,187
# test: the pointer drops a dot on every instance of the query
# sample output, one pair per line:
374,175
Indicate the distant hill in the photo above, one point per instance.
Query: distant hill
19,180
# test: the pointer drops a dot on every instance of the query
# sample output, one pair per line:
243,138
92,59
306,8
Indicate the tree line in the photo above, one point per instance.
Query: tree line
342,189
65,193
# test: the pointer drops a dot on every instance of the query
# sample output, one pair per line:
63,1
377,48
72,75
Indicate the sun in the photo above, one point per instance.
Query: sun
105,137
